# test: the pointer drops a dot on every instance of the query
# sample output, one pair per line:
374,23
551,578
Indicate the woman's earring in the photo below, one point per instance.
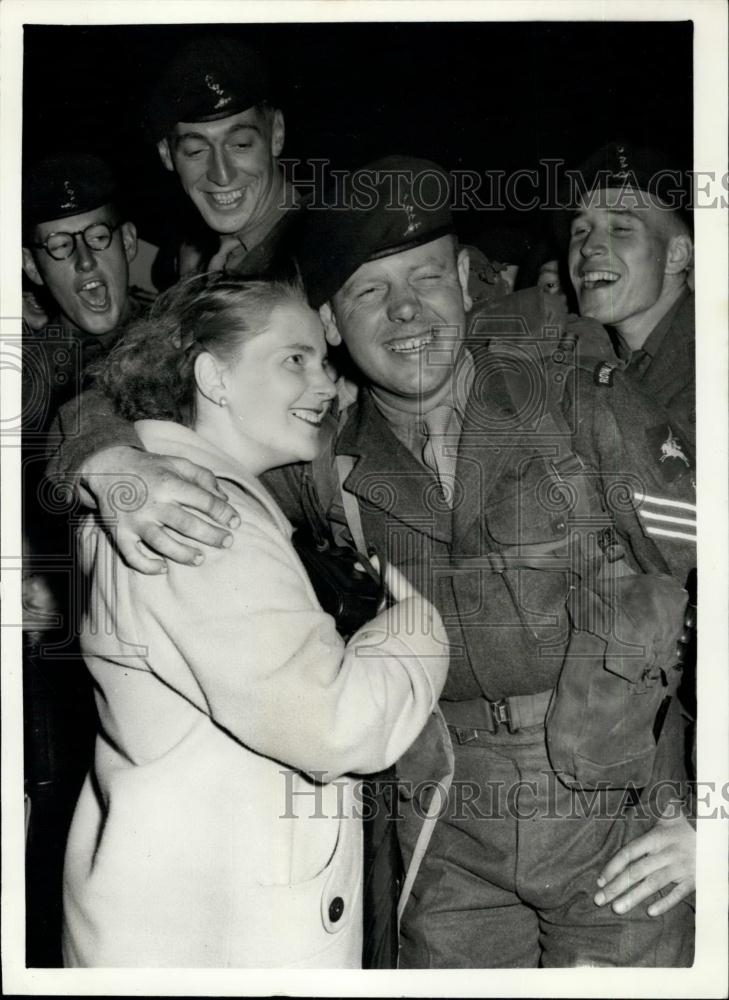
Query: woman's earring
222,401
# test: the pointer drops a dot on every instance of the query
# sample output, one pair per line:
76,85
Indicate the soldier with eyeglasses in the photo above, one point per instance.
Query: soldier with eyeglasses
78,246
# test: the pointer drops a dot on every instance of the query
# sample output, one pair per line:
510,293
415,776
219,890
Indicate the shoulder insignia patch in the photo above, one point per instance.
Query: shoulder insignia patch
669,452
603,374
671,448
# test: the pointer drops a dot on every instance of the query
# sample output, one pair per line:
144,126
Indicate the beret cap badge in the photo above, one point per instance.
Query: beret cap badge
394,204
71,199
223,98
412,223
210,77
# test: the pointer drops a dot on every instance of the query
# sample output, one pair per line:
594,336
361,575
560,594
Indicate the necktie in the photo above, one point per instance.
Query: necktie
639,362
442,430
227,245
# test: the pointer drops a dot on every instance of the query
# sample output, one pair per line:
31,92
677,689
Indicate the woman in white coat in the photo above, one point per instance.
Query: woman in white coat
219,824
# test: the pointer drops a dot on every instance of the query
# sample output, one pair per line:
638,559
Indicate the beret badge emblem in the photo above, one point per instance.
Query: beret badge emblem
214,86
71,199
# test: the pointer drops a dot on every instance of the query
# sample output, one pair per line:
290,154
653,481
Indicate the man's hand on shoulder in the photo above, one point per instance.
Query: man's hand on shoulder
141,497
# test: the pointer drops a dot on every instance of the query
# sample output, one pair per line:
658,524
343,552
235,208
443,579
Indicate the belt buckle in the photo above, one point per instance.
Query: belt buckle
501,713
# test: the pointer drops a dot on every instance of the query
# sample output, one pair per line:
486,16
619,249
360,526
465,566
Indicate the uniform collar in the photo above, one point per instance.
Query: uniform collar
655,338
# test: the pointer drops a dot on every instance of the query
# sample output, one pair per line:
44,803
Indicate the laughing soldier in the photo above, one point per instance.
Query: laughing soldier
630,255
78,246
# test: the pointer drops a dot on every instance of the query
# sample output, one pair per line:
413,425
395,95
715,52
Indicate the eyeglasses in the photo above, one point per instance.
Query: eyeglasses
60,246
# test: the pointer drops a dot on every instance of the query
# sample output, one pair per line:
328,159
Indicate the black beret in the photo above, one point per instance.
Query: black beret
620,165
388,206
210,78
65,184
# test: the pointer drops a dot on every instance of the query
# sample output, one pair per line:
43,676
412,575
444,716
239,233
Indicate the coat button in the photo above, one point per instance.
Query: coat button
336,909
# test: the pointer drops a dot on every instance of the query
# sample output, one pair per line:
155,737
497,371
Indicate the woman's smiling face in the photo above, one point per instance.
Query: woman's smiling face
278,390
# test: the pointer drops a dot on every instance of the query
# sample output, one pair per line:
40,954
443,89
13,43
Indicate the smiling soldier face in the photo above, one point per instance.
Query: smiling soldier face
228,167
402,317
622,248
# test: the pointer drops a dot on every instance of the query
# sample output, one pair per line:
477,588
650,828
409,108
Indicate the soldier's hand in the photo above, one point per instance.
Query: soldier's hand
142,497
664,856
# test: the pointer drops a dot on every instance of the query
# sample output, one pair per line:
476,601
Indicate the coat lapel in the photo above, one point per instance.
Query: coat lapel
387,476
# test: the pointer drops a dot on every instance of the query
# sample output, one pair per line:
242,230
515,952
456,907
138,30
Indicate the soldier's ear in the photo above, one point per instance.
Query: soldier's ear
331,330
163,148
30,268
129,239
278,133
464,266
680,254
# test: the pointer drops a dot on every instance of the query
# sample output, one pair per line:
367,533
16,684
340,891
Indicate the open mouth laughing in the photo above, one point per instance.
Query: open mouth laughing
95,294
593,279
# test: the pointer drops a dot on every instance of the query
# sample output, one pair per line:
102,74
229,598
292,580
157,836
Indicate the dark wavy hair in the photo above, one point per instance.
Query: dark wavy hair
150,371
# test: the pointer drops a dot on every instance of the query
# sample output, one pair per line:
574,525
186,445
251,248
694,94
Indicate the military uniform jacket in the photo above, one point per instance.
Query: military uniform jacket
509,631
670,378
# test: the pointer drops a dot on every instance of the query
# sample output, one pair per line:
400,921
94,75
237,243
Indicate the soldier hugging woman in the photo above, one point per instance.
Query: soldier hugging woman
210,831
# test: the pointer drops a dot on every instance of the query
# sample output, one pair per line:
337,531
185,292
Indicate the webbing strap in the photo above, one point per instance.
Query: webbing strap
440,795
534,555
345,464
437,803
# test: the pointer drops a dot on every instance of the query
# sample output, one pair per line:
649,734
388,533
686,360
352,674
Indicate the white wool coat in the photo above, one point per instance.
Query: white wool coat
218,825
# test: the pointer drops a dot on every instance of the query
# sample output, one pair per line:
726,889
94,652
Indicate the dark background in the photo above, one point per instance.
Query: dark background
478,96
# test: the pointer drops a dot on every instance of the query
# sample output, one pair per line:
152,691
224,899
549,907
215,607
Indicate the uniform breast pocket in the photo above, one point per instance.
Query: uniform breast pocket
526,514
